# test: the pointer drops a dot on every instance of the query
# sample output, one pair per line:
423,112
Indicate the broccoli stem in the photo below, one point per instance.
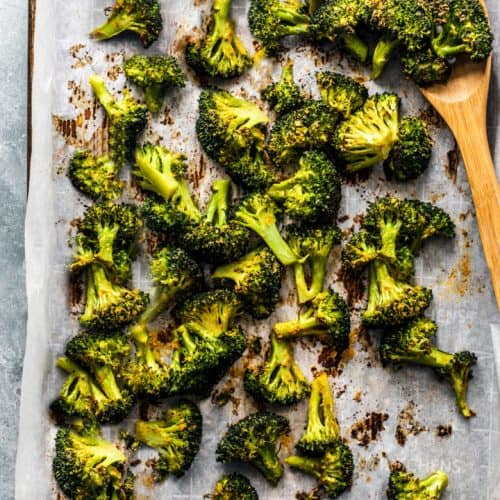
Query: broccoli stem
445,45
381,55
155,180
185,203
389,232
308,465
383,287
103,95
303,291
319,266
321,409
155,434
162,299
114,26
297,23
106,238
459,384
154,95
355,46
107,381
435,484
222,10
267,462
304,326
217,208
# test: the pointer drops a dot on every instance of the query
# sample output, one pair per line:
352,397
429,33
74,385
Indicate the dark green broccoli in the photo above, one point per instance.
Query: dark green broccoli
326,318
95,177
176,436
142,17
253,440
425,68
86,466
465,30
403,267
338,20
412,343
405,486
284,95
333,470
410,156
314,246
234,486
310,127
312,193
362,248
322,429
218,52
127,120
272,20
279,380
385,48
342,93
368,135
154,74
256,278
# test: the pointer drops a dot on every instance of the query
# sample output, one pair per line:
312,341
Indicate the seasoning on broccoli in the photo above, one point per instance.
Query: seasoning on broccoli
404,485
233,486
362,248
425,68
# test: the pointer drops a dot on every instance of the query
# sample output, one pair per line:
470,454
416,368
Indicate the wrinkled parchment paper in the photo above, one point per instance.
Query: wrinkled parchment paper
378,409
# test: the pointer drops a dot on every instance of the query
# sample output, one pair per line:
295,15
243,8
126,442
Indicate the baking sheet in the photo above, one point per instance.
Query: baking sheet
375,407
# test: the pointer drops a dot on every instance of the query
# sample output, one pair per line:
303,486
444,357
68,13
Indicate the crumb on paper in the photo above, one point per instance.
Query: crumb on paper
407,424
444,431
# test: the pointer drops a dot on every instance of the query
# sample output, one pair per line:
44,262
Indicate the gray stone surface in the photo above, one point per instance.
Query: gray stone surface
13,108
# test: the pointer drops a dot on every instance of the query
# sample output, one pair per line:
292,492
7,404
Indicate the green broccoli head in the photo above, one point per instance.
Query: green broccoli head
465,30
411,154
142,17
342,93
425,68
234,486
254,440
405,486
326,318
284,95
154,74
279,380
313,245
95,177
368,135
176,437
333,470
403,267
218,52
362,248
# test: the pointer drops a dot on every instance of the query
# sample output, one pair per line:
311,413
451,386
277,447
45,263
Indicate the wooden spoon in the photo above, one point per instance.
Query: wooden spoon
462,102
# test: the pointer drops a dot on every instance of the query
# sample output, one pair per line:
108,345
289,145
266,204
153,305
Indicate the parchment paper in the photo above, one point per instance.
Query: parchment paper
65,117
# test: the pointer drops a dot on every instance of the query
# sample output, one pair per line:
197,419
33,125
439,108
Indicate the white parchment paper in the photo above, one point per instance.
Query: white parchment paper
66,117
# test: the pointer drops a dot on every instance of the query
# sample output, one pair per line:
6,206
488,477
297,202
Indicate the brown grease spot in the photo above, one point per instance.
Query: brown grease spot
368,429
443,431
451,168
407,424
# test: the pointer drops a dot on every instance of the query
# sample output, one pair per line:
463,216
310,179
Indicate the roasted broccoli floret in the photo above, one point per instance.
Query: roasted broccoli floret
412,343
95,177
127,120
234,486
465,30
279,380
313,246
425,68
176,437
218,52
405,486
410,156
361,249
322,429
256,278
368,135
312,193
333,470
338,20
253,440
142,17
272,20
154,74
284,95
342,93
86,466
310,127
326,318
386,45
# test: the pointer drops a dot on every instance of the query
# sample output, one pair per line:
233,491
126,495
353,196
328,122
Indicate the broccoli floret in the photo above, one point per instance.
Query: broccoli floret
284,95
279,380
253,440
176,436
391,301
142,17
425,68
256,278
403,268
86,466
314,246
127,120
310,127
465,30
412,153
333,470
361,249
386,45
219,52
234,486
272,20
312,194
368,135
326,318
154,74
322,429
341,92
412,343
95,177
337,21
405,486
